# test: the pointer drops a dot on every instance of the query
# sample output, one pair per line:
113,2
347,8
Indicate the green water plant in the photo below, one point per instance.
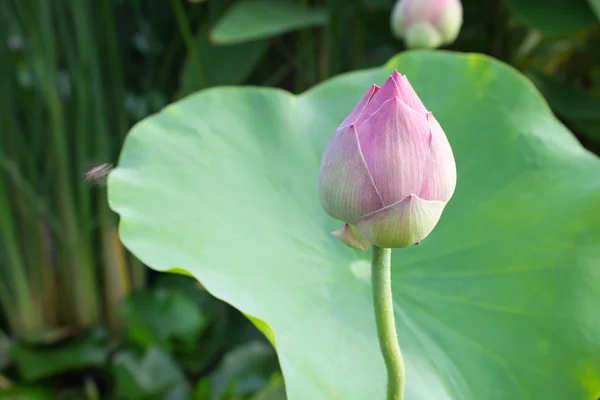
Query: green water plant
498,301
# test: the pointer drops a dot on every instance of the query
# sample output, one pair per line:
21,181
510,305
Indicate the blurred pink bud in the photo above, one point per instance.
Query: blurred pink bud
427,23
388,170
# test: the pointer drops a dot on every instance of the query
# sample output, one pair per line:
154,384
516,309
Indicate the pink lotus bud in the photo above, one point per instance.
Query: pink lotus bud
427,23
388,170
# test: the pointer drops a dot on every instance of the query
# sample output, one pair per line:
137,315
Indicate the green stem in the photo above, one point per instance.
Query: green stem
386,326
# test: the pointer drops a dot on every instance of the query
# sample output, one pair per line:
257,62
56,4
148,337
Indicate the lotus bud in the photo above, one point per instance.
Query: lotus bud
388,170
427,23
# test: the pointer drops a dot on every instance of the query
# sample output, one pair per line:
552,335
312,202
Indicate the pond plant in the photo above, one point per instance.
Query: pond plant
498,302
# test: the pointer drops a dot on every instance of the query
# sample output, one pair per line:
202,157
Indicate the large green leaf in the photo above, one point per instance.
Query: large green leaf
554,17
500,302
258,19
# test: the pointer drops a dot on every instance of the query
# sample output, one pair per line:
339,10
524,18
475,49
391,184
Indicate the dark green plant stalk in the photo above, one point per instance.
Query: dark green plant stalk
77,268
51,139
386,326
306,67
358,45
131,267
26,144
116,97
16,296
330,56
51,222
114,271
23,317
188,38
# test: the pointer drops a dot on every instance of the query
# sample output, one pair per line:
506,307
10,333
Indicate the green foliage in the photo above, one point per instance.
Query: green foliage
37,362
595,5
243,371
580,108
75,76
224,67
178,329
26,393
554,17
274,391
485,313
177,337
4,350
163,318
153,376
249,20
62,95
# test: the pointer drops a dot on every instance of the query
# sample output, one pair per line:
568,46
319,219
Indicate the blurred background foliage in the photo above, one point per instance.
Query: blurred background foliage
80,318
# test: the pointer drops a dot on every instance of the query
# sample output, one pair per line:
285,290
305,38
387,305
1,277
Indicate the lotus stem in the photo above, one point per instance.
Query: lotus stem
386,326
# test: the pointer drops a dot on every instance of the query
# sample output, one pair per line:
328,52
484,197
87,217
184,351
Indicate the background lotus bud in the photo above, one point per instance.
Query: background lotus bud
388,169
427,23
